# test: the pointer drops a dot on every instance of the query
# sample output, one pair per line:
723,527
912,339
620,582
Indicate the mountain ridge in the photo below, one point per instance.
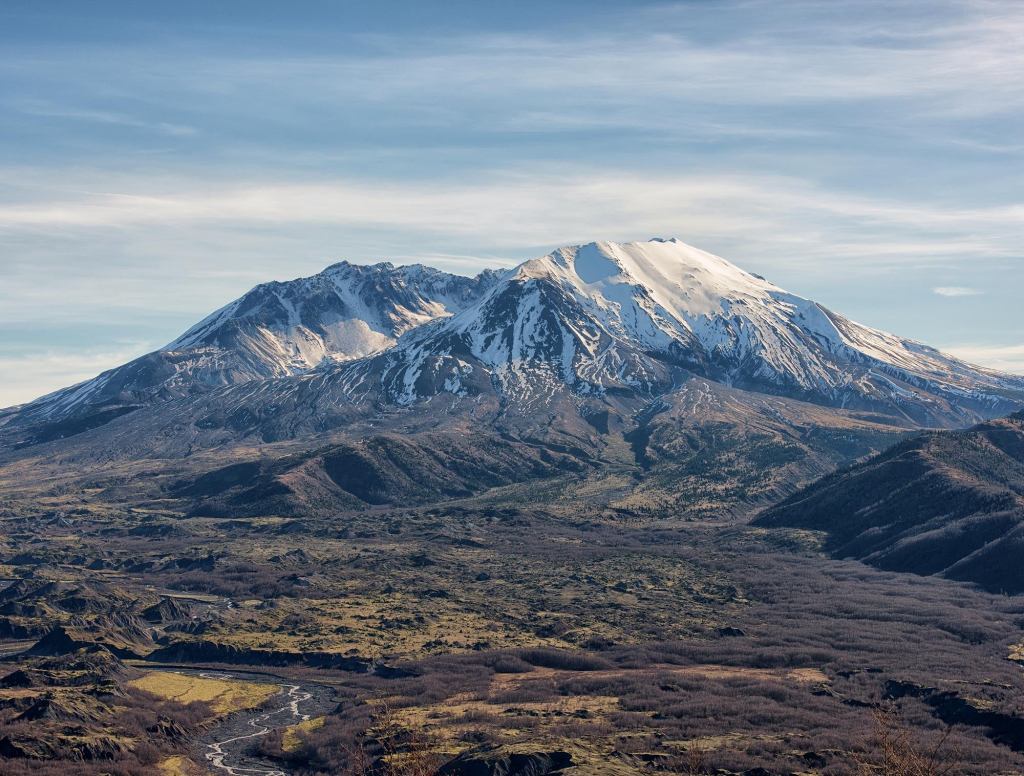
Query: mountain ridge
276,329
949,503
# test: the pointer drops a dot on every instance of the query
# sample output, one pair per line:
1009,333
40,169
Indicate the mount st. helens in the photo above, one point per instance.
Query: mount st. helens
532,490
589,340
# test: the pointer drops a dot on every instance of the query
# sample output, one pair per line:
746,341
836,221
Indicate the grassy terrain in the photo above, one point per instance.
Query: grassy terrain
291,738
178,765
223,695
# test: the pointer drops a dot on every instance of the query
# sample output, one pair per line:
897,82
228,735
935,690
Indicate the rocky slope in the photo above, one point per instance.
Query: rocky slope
607,318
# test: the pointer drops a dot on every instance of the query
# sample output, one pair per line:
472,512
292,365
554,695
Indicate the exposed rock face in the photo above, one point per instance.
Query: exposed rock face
54,709
167,610
61,642
63,747
212,652
16,630
58,642
18,678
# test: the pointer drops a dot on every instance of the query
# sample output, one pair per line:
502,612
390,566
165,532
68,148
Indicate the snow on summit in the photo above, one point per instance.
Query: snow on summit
594,320
637,316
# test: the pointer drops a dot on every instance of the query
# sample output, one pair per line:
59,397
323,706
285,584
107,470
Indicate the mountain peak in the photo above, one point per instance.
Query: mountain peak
345,268
679,277
276,329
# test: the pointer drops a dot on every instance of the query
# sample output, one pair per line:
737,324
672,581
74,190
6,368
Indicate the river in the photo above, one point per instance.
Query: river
230,747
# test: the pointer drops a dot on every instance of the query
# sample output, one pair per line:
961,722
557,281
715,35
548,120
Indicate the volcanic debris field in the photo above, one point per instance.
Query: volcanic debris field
476,635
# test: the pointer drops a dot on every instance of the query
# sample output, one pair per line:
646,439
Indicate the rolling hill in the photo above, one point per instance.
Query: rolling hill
948,503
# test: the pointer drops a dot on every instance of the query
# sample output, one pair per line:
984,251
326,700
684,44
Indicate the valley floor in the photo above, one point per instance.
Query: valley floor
513,631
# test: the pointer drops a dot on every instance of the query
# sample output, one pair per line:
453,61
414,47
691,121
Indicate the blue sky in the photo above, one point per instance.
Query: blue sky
158,159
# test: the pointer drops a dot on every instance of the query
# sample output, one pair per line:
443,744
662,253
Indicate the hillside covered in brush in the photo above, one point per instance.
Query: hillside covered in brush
949,503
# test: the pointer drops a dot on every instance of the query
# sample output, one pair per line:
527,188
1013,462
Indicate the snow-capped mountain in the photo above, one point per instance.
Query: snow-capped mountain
277,329
608,318
602,327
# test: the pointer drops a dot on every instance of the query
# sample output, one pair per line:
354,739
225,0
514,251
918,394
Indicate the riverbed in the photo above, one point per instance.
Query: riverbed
230,747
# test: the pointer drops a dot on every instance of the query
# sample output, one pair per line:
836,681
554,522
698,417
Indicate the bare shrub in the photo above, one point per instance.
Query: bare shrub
895,751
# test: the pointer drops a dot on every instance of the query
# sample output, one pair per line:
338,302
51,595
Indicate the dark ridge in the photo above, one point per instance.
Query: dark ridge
947,503
73,426
494,761
228,654
379,470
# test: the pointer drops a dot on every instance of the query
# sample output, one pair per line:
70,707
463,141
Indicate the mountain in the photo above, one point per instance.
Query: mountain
275,330
948,503
377,470
590,330
672,380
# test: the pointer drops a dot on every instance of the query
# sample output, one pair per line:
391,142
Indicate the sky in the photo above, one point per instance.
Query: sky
159,159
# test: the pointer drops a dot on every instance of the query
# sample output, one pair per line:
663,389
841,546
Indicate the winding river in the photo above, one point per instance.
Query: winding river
231,746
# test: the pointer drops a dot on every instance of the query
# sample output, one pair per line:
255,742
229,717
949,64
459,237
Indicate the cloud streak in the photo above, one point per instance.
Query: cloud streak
954,291
102,117
1004,358
518,209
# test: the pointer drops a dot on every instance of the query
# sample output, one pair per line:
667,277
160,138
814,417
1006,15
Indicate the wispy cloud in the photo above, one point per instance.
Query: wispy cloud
724,70
103,117
538,207
1005,358
956,291
781,53
30,375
